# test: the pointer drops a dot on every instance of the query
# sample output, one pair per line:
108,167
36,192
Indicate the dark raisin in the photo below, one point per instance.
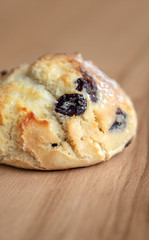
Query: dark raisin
3,73
54,144
81,84
119,111
88,84
120,121
129,142
71,104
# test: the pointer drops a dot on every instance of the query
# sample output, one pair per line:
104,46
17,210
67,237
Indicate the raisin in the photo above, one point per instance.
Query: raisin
128,143
88,84
120,121
54,144
119,111
3,73
71,104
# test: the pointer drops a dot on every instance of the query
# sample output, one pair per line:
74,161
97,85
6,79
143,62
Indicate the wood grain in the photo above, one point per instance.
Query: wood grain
108,200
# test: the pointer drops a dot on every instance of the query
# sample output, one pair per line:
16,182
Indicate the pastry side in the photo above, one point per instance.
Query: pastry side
62,112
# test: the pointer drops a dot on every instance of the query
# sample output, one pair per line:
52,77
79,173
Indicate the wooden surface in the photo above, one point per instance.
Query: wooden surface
106,201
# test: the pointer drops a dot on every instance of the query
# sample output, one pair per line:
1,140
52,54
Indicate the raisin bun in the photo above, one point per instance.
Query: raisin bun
62,112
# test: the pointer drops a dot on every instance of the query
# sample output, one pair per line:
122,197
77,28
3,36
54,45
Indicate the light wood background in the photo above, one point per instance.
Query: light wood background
109,201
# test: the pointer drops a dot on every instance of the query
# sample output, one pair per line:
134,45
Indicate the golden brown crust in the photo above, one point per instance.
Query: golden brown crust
35,136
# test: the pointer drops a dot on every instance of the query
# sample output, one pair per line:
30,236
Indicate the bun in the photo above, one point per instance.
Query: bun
62,112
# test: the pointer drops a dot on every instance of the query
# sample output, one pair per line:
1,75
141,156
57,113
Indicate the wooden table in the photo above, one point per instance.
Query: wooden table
106,201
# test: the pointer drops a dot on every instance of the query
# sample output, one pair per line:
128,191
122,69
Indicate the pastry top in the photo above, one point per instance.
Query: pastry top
62,112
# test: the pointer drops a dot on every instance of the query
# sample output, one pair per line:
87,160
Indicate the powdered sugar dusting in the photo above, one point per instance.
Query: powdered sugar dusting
78,58
107,86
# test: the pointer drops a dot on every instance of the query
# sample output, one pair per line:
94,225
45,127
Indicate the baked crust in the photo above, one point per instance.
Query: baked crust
34,136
